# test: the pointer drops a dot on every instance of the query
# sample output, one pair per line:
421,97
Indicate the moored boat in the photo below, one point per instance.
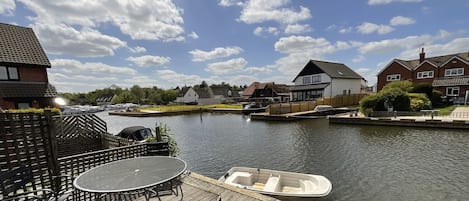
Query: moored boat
279,184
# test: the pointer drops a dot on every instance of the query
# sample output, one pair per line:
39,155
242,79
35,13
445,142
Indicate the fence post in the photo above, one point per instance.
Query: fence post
52,141
158,134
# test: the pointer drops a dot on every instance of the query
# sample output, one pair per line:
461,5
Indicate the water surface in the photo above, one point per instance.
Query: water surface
362,162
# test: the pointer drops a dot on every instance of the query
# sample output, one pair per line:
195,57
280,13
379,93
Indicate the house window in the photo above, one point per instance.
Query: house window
452,91
454,71
307,80
8,73
425,74
394,77
316,78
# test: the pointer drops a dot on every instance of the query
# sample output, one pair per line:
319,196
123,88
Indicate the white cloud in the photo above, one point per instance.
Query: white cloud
400,20
298,28
226,3
382,2
219,52
193,35
358,59
149,60
173,78
346,30
147,20
368,28
259,31
74,66
258,11
62,39
258,69
138,49
392,45
7,7
300,49
227,67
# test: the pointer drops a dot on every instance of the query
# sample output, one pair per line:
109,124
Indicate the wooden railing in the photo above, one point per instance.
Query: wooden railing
77,164
42,145
78,133
337,101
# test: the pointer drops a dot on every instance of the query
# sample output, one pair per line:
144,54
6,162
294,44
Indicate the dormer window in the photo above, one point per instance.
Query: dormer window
393,77
8,73
454,72
425,74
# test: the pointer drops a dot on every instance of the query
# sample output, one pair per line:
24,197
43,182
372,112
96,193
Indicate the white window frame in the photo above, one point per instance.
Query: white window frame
393,77
307,80
450,91
425,74
315,78
454,72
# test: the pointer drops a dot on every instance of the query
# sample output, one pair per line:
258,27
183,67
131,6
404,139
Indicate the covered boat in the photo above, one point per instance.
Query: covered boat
136,133
279,184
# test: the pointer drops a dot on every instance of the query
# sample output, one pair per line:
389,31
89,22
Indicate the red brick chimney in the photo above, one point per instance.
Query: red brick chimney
422,56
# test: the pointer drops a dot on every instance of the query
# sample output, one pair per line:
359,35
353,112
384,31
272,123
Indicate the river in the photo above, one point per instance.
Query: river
362,162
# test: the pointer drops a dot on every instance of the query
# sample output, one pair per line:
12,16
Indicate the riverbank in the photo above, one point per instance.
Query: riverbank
154,113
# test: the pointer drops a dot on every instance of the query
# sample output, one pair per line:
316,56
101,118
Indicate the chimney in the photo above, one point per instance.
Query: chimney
422,56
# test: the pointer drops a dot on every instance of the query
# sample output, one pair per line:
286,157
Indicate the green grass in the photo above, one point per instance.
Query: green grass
446,110
165,108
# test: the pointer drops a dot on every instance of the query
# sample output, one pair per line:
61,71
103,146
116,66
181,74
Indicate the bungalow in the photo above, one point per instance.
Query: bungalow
187,95
448,74
319,79
23,70
207,95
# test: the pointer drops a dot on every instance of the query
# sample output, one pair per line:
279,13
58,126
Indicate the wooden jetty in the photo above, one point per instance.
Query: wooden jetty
199,187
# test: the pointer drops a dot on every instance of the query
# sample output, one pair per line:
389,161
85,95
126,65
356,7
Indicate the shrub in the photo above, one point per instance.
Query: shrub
396,98
404,85
419,102
425,88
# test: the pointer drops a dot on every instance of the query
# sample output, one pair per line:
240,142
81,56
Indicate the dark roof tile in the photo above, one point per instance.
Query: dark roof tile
20,45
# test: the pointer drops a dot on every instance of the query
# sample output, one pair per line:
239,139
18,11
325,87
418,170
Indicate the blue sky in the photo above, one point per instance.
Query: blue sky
169,43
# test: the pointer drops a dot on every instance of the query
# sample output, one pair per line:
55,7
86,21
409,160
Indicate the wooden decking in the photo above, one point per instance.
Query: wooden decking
199,187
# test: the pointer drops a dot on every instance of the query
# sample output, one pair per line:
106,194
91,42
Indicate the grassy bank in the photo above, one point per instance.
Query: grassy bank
447,110
166,108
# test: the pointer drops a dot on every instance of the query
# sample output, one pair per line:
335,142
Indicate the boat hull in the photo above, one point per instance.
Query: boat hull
278,184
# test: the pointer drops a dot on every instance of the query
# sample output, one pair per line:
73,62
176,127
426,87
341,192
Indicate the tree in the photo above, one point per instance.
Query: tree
137,93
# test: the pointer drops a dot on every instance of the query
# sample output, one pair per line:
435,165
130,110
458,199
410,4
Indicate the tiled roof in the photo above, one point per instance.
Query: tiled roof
20,45
451,81
437,61
203,92
26,89
334,70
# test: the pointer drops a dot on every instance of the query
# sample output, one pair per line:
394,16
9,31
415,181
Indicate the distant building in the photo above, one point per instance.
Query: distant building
105,100
448,74
207,95
23,70
266,92
320,79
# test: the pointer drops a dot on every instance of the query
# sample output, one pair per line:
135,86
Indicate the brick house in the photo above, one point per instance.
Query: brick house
23,70
448,74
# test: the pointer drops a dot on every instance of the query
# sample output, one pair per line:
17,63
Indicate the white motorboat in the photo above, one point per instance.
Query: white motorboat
278,183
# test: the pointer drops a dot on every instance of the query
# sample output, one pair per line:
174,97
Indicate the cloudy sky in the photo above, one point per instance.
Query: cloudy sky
169,43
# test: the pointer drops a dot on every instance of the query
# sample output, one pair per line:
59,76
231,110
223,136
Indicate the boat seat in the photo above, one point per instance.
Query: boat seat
272,184
240,178
306,185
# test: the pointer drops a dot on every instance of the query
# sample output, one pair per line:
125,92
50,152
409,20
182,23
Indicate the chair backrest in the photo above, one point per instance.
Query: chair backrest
15,179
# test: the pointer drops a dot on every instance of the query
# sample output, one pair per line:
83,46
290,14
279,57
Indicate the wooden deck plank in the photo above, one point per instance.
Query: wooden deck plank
199,187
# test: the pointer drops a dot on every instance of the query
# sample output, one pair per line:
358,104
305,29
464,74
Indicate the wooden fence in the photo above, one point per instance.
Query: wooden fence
42,145
337,101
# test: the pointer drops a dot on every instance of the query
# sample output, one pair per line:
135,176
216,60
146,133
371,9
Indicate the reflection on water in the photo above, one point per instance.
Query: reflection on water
362,162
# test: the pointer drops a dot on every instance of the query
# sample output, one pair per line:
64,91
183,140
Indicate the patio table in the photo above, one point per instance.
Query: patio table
134,174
